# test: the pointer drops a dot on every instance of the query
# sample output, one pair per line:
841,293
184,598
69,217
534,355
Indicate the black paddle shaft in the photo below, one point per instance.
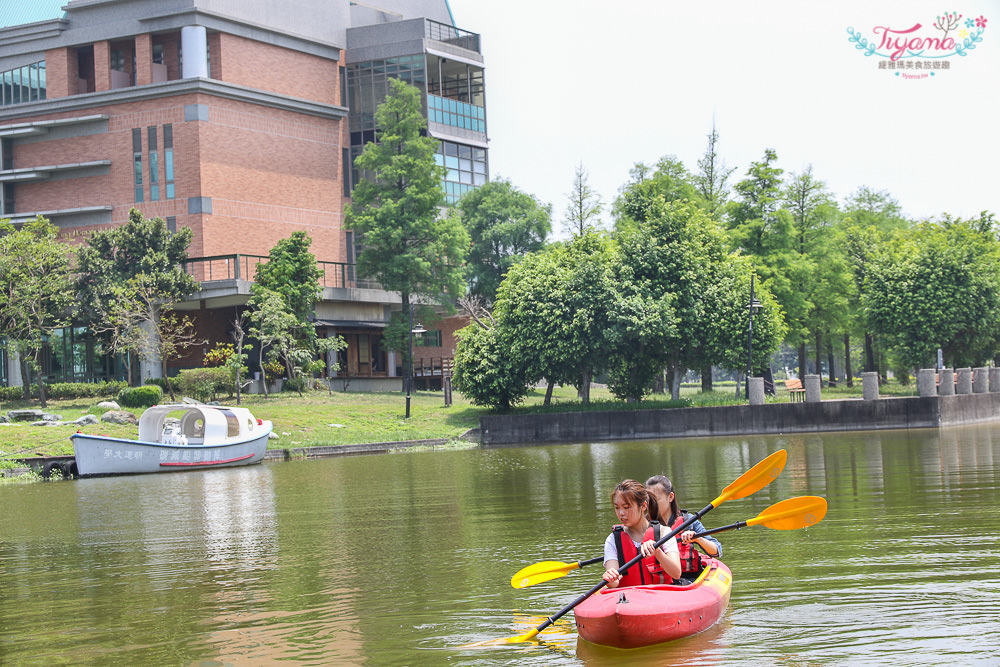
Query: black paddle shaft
555,617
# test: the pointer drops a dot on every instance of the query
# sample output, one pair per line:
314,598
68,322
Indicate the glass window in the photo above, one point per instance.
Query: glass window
137,162
154,167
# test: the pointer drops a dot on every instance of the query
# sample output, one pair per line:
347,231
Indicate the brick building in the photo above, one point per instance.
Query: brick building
239,120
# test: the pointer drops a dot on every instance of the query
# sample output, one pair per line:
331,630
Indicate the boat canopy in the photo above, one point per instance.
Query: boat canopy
199,424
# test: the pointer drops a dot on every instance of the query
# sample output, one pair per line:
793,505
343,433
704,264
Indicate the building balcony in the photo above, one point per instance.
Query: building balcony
335,275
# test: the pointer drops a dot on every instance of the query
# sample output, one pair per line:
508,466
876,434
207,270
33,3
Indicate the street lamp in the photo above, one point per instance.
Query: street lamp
409,359
753,307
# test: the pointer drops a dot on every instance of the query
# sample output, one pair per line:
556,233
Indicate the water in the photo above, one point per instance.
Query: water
406,558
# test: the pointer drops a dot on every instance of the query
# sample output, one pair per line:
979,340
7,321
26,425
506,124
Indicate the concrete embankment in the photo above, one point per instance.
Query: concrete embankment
770,418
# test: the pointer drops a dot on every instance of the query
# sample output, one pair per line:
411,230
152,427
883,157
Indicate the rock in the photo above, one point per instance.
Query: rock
26,415
109,405
45,422
48,417
4,419
119,417
273,436
86,419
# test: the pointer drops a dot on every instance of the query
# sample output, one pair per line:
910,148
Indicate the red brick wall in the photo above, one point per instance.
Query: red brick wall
275,69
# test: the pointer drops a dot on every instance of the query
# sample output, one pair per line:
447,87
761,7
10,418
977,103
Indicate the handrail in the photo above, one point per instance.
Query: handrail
244,267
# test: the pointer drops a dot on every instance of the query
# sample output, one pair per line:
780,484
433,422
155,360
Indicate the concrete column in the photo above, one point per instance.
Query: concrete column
194,52
964,385
994,379
927,382
947,385
14,378
869,386
756,391
813,384
981,380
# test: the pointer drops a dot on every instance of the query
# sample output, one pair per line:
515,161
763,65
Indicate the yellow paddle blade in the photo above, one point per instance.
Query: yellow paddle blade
541,572
755,479
793,513
526,637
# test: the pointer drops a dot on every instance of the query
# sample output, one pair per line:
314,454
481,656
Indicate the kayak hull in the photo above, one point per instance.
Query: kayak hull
636,616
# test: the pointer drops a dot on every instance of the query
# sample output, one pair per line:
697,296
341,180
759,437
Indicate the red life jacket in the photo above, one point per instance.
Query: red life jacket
690,557
646,571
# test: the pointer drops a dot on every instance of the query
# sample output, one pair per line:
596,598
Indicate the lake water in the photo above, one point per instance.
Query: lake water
406,558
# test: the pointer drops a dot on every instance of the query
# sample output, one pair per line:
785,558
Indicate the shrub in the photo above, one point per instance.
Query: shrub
218,355
140,397
205,383
164,384
64,390
273,369
11,393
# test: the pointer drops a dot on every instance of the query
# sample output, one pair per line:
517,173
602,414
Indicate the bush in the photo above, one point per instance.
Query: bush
140,397
218,355
69,390
164,384
11,393
205,383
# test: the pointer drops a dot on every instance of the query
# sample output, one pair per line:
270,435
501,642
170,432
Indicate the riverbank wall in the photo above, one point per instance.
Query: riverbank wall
766,419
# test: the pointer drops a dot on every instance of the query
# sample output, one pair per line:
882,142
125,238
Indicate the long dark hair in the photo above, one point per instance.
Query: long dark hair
668,487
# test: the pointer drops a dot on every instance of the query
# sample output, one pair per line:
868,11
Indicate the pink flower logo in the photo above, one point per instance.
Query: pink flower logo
981,22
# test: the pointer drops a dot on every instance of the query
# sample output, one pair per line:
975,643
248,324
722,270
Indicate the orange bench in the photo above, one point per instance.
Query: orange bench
795,390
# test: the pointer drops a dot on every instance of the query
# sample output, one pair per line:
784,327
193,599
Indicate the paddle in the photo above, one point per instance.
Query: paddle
788,514
746,484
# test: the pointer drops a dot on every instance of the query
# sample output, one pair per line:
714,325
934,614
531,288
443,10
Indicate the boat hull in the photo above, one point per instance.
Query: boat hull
103,455
637,616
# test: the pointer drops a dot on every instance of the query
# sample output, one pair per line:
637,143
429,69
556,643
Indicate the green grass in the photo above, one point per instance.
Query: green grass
319,418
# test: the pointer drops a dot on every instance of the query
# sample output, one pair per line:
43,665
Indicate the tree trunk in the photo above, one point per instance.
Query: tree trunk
585,385
849,376
548,392
829,360
263,372
869,353
737,384
675,385
41,381
802,361
25,377
706,379
819,358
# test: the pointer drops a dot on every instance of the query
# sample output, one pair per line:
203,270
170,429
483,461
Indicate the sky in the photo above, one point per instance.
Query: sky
609,84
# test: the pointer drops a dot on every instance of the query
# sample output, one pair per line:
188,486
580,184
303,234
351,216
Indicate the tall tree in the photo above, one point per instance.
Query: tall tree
504,225
36,295
583,213
712,178
408,246
669,180
142,246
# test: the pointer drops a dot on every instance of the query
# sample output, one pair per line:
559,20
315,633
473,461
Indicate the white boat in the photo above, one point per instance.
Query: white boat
176,437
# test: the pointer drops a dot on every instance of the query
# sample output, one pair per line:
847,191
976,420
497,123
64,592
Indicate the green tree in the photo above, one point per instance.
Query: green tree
111,258
274,327
938,285
712,177
668,181
486,372
36,295
583,212
291,271
408,246
504,225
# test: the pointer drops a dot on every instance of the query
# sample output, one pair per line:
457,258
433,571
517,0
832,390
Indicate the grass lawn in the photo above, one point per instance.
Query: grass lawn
320,418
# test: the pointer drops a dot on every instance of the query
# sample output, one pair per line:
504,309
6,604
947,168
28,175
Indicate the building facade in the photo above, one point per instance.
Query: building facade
237,118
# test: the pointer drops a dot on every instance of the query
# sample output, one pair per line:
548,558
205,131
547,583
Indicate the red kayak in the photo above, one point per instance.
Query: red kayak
636,616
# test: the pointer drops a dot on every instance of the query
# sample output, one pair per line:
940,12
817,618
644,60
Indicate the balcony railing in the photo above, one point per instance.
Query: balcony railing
244,267
449,34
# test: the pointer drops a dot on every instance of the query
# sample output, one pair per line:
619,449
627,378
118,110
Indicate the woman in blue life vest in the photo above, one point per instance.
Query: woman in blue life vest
637,536
661,491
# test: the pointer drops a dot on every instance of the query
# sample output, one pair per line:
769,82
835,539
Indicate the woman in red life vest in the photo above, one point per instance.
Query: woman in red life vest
636,535
661,491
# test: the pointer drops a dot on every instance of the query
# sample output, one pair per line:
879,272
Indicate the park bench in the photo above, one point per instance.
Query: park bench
795,389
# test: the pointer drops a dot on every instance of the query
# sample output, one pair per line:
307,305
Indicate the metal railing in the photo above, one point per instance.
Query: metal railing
449,34
244,267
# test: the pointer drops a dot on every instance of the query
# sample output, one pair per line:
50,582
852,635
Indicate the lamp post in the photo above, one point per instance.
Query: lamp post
752,307
409,359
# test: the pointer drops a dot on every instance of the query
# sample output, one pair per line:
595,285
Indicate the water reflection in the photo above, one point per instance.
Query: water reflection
406,558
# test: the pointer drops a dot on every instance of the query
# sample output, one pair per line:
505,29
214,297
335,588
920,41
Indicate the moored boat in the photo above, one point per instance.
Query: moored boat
636,616
176,437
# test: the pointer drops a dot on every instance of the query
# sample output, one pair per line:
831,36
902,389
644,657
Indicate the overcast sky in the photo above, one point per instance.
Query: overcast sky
610,84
